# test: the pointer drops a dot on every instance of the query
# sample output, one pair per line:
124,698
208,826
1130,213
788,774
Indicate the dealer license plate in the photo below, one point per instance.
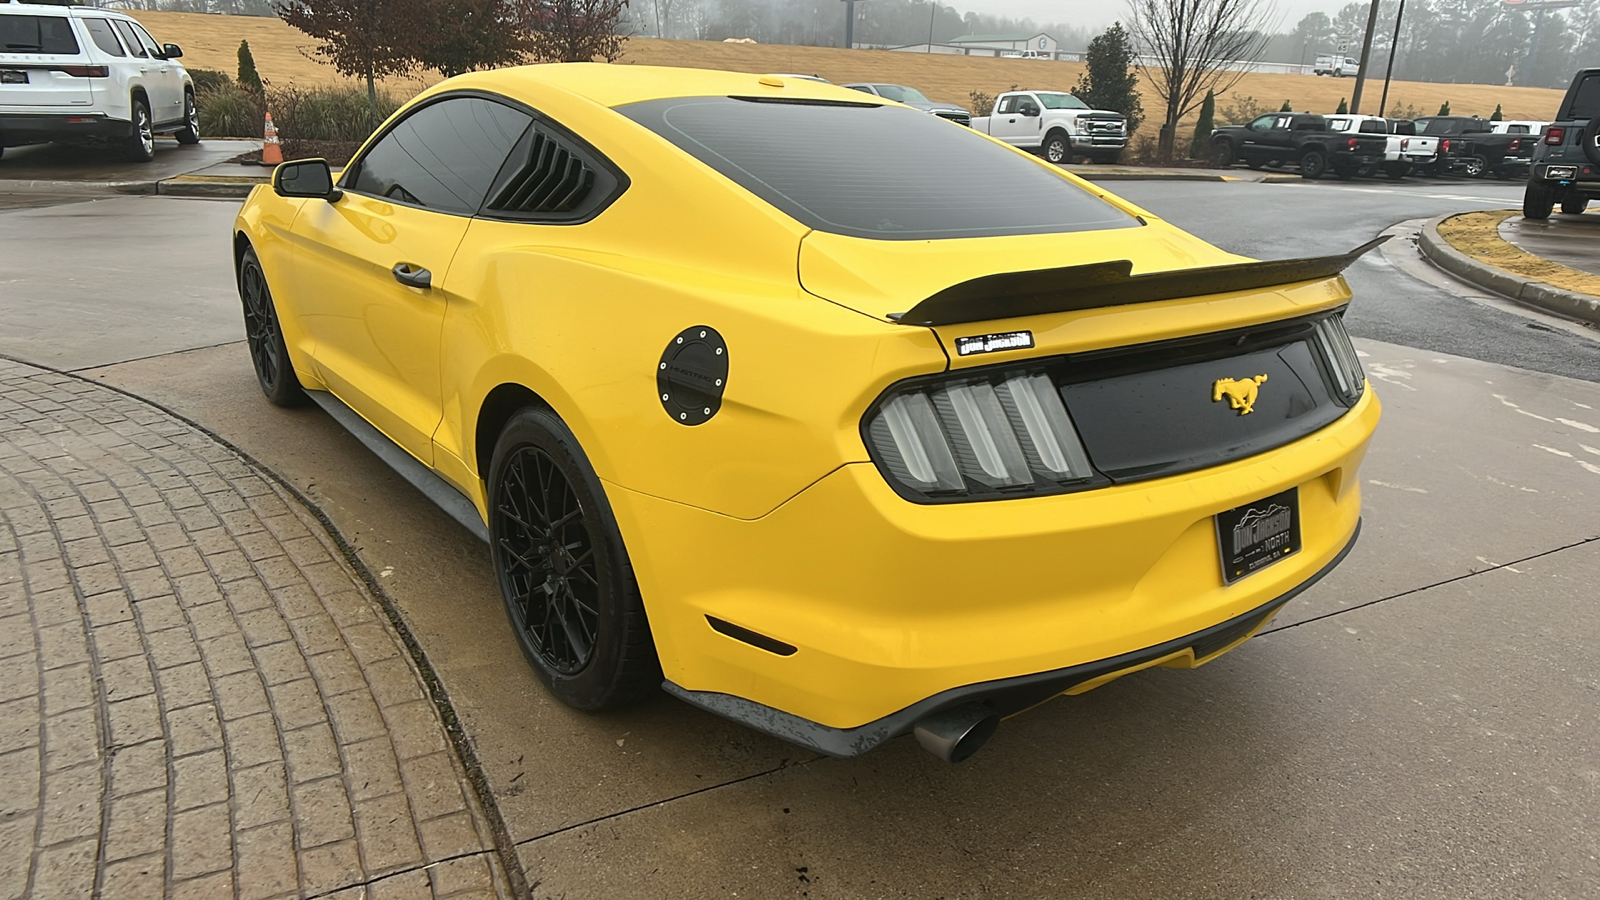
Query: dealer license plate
1256,535
13,76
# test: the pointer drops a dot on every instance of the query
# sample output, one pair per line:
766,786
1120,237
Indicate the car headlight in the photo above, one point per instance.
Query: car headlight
972,437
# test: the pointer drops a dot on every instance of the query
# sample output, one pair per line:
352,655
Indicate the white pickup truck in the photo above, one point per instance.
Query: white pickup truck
1407,150
1057,125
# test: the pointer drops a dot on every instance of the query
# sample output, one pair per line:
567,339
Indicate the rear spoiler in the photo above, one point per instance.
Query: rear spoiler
1013,294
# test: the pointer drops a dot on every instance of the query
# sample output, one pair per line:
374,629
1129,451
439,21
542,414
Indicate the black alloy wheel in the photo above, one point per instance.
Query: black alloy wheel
563,571
1538,200
263,334
1313,164
1574,204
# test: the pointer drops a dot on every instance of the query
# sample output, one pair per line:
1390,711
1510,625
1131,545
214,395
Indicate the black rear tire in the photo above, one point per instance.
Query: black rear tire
1313,165
563,571
1574,204
1538,200
264,336
141,146
190,132
1396,170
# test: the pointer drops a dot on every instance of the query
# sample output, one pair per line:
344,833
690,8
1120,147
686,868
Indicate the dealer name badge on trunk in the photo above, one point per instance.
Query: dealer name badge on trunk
1256,535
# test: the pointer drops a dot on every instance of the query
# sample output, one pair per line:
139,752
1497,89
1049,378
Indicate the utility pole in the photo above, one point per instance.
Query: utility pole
1366,53
1394,50
931,14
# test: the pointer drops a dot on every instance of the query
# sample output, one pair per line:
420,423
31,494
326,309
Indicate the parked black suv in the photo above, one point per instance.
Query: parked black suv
1566,165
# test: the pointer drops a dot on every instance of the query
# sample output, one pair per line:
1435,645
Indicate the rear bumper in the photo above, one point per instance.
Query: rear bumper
1006,696
33,129
878,606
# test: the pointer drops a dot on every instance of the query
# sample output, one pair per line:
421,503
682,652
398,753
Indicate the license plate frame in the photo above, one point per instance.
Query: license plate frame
13,76
1256,535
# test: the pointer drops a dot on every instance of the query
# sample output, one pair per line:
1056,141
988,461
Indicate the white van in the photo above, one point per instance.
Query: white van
1337,66
74,72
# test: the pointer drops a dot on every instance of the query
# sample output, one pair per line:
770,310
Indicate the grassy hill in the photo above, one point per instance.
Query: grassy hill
283,55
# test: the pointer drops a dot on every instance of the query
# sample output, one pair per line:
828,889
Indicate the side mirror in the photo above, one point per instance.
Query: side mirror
305,178
171,51
1030,110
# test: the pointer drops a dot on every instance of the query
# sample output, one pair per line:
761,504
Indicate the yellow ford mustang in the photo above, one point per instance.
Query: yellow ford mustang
836,418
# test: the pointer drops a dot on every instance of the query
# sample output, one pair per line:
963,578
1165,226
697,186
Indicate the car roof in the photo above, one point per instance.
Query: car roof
614,85
11,7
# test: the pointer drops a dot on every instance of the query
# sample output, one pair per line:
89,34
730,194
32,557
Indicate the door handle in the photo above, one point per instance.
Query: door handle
412,276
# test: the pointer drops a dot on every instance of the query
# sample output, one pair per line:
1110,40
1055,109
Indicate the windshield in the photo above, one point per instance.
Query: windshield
874,171
901,93
1058,100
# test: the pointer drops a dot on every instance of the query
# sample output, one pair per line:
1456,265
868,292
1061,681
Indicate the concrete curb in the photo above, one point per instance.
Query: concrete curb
29,186
1437,250
236,186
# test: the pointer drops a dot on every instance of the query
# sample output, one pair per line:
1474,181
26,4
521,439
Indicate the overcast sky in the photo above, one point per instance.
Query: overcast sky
1096,14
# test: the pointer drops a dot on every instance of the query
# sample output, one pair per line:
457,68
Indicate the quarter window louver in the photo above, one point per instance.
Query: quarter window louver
552,180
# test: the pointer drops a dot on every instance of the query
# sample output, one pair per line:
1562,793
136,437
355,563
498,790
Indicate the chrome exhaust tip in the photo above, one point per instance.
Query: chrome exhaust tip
958,732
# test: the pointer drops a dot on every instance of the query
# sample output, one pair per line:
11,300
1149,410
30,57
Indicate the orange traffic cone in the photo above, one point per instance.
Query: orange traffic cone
271,151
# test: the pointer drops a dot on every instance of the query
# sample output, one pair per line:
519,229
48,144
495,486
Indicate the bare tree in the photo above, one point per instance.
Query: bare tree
576,30
1190,47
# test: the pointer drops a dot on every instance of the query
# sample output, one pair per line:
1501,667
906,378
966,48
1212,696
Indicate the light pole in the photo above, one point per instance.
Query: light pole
1394,50
849,24
931,14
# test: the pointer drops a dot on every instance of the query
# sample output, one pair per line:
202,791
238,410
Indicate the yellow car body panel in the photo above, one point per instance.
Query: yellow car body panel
771,515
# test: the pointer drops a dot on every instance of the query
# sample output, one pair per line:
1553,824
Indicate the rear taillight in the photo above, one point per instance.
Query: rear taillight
1444,146
1351,143
1003,433
86,71
1516,144
1405,143
1555,135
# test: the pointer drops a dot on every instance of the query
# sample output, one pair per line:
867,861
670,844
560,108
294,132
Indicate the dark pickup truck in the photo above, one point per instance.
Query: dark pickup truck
1566,168
1303,139
1468,145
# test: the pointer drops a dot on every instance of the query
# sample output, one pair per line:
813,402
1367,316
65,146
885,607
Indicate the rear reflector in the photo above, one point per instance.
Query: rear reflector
85,71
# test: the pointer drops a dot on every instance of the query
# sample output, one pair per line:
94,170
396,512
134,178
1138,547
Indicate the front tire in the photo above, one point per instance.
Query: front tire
1313,165
1222,154
190,133
1057,148
563,571
1538,200
1574,204
142,143
268,353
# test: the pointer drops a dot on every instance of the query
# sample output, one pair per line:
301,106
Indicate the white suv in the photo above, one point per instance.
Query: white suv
71,72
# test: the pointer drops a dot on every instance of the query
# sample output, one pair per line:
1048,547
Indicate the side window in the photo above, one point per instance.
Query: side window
1008,105
1586,99
1263,123
443,156
104,38
150,45
129,38
1338,124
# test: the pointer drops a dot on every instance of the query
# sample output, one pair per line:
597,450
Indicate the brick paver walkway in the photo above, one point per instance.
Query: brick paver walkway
197,698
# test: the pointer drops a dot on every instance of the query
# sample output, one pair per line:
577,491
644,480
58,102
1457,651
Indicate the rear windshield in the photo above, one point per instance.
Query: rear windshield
900,93
882,172
37,34
1586,100
1439,126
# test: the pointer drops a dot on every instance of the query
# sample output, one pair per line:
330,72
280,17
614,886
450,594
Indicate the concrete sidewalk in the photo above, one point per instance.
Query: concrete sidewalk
199,697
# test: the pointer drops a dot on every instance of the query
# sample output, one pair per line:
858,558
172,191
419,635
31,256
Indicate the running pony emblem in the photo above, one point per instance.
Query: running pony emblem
1241,393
